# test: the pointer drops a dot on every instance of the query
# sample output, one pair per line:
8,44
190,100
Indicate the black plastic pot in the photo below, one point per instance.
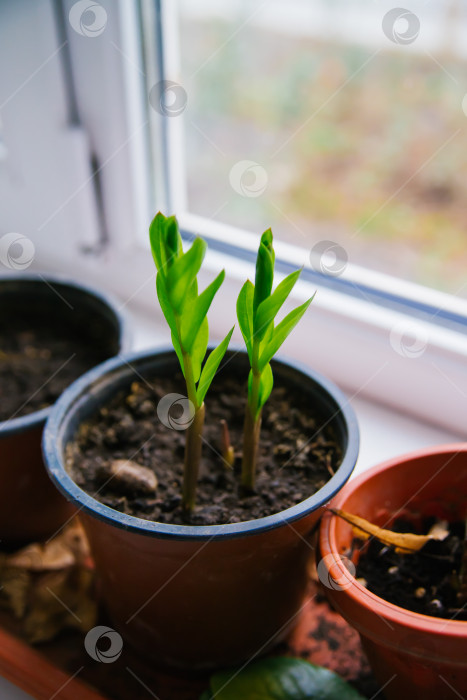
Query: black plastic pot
31,508
198,597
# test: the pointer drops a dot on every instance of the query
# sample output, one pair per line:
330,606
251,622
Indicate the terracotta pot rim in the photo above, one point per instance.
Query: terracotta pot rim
70,401
38,418
361,596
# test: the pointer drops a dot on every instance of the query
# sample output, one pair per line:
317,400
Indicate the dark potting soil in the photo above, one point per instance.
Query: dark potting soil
424,582
296,457
38,361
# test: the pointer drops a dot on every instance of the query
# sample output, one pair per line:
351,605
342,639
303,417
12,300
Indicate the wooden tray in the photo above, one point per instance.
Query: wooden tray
62,670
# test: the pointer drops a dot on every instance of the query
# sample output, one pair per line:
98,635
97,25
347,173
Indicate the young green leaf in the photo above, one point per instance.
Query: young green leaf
186,314
164,302
199,348
280,678
155,239
245,314
265,386
281,332
178,350
173,239
184,271
211,366
257,307
197,310
268,309
264,269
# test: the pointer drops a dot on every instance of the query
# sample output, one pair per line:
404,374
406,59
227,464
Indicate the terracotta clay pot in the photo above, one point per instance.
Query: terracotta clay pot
31,508
412,655
198,597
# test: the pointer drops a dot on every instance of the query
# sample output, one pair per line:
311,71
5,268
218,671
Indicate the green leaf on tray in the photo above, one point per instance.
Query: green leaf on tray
280,678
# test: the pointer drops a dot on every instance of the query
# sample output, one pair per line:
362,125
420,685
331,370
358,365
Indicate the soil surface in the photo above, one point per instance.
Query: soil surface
424,582
38,361
296,457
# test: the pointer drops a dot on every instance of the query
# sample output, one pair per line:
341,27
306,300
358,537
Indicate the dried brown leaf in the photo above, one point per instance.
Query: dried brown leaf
61,600
63,551
404,543
15,590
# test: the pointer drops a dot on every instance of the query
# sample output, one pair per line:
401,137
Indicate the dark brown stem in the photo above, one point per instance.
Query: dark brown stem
193,450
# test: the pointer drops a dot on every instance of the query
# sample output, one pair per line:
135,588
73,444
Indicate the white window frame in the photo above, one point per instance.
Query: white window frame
348,337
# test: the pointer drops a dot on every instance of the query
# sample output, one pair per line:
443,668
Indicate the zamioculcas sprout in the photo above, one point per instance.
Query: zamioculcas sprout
257,308
186,313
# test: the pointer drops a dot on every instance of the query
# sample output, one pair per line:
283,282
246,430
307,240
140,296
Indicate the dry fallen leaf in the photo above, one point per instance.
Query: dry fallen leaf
14,592
60,600
50,586
404,543
67,549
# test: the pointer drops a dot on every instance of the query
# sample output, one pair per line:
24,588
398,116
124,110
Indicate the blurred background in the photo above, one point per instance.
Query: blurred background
341,121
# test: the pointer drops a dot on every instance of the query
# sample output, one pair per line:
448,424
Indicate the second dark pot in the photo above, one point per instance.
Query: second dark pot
31,508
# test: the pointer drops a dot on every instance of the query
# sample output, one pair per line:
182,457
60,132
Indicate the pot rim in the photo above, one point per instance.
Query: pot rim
73,395
360,595
37,419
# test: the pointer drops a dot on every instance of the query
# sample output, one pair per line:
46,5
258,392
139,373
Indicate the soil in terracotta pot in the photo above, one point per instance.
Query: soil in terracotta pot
39,359
296,456
423,582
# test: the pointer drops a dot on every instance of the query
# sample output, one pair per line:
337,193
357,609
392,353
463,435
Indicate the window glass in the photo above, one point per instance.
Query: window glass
341,121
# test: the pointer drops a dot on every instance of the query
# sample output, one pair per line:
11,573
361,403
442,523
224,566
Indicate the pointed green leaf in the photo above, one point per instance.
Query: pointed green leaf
267,338
157,240
245,315
281,678
198,350
173,239
264,269
178,350
183,271
268,308
265,386
281,332
210,367
195,312
165,304
165,240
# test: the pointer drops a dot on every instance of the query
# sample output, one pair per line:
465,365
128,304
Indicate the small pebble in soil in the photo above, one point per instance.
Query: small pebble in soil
420,592
128,476
435,606
393,570
362,581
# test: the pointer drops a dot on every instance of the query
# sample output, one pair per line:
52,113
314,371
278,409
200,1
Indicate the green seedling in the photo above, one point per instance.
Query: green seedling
257,308
185,311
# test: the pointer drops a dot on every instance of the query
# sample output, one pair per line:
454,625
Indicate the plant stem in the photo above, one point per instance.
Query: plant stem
193,444
193,448
252,426
251,433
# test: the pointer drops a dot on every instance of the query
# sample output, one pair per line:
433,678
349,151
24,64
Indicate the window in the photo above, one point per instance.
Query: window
315,118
